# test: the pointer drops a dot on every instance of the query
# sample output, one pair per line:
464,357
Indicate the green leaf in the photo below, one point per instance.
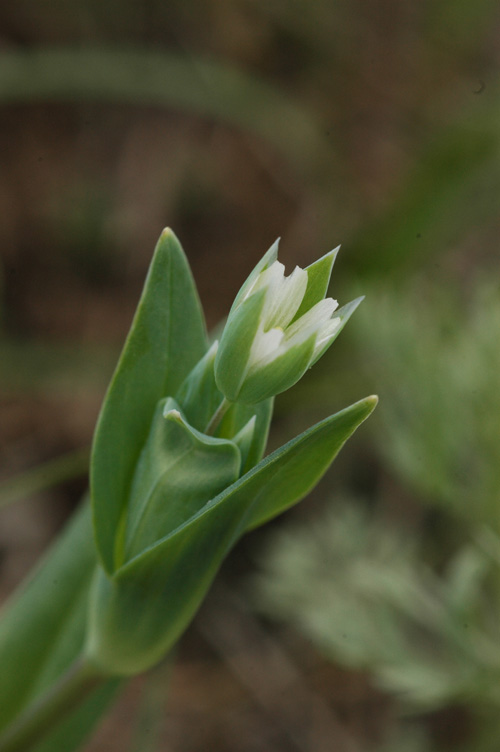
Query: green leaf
198,394
344,314
42,632
244,441
165,585
235,345
266,261
42,629
291,472
72,731
199,397
280,374
238,416
180,469
166,340
318,279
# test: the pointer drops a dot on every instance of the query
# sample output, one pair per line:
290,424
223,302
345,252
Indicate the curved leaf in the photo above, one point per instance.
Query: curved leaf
179,471
164,586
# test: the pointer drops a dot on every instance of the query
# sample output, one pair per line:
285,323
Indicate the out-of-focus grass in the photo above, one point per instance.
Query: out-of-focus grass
205,87
36,367
46,475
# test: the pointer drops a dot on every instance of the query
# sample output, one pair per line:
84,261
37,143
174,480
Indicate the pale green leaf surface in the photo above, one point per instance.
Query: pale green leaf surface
198,394
180,470
173,576
291,472
166,340
41,630
238,416
236,343
318,279
280,374
244,441
267,259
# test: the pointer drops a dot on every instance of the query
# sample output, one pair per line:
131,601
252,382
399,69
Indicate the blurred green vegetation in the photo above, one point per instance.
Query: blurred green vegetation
371,124
415,602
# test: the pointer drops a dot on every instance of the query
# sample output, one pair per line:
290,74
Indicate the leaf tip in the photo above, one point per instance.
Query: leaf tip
371,401
173,415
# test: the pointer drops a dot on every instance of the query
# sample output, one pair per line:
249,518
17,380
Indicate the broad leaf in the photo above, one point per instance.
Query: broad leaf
179,470
42,632
42,629
173,576
291,472
166,340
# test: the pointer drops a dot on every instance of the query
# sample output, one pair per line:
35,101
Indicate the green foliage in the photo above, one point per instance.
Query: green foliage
436,358
370,594
179,507
42,631
184,563
43,628
166,340
169,500
359,590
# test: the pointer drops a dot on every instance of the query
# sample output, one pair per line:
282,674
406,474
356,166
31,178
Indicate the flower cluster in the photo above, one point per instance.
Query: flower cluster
278,327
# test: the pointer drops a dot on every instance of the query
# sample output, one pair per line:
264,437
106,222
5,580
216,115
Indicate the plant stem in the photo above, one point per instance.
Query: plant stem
51,708
217,417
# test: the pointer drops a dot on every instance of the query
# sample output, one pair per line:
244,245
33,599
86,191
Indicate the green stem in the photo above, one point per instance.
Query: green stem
217,417
51,708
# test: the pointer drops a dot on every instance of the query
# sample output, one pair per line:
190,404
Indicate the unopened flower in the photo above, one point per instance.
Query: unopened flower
278,327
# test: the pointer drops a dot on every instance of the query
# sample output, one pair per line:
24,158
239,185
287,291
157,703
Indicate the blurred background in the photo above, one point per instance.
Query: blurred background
367,619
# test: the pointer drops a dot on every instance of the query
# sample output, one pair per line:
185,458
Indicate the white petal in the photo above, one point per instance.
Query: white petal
270,277
284,298
315,318
265,347
326,332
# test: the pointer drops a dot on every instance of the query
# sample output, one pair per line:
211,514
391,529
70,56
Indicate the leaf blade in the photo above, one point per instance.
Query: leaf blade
42,628
174,575
166,339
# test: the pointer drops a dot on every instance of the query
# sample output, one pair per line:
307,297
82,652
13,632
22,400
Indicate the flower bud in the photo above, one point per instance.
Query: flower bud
277,328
